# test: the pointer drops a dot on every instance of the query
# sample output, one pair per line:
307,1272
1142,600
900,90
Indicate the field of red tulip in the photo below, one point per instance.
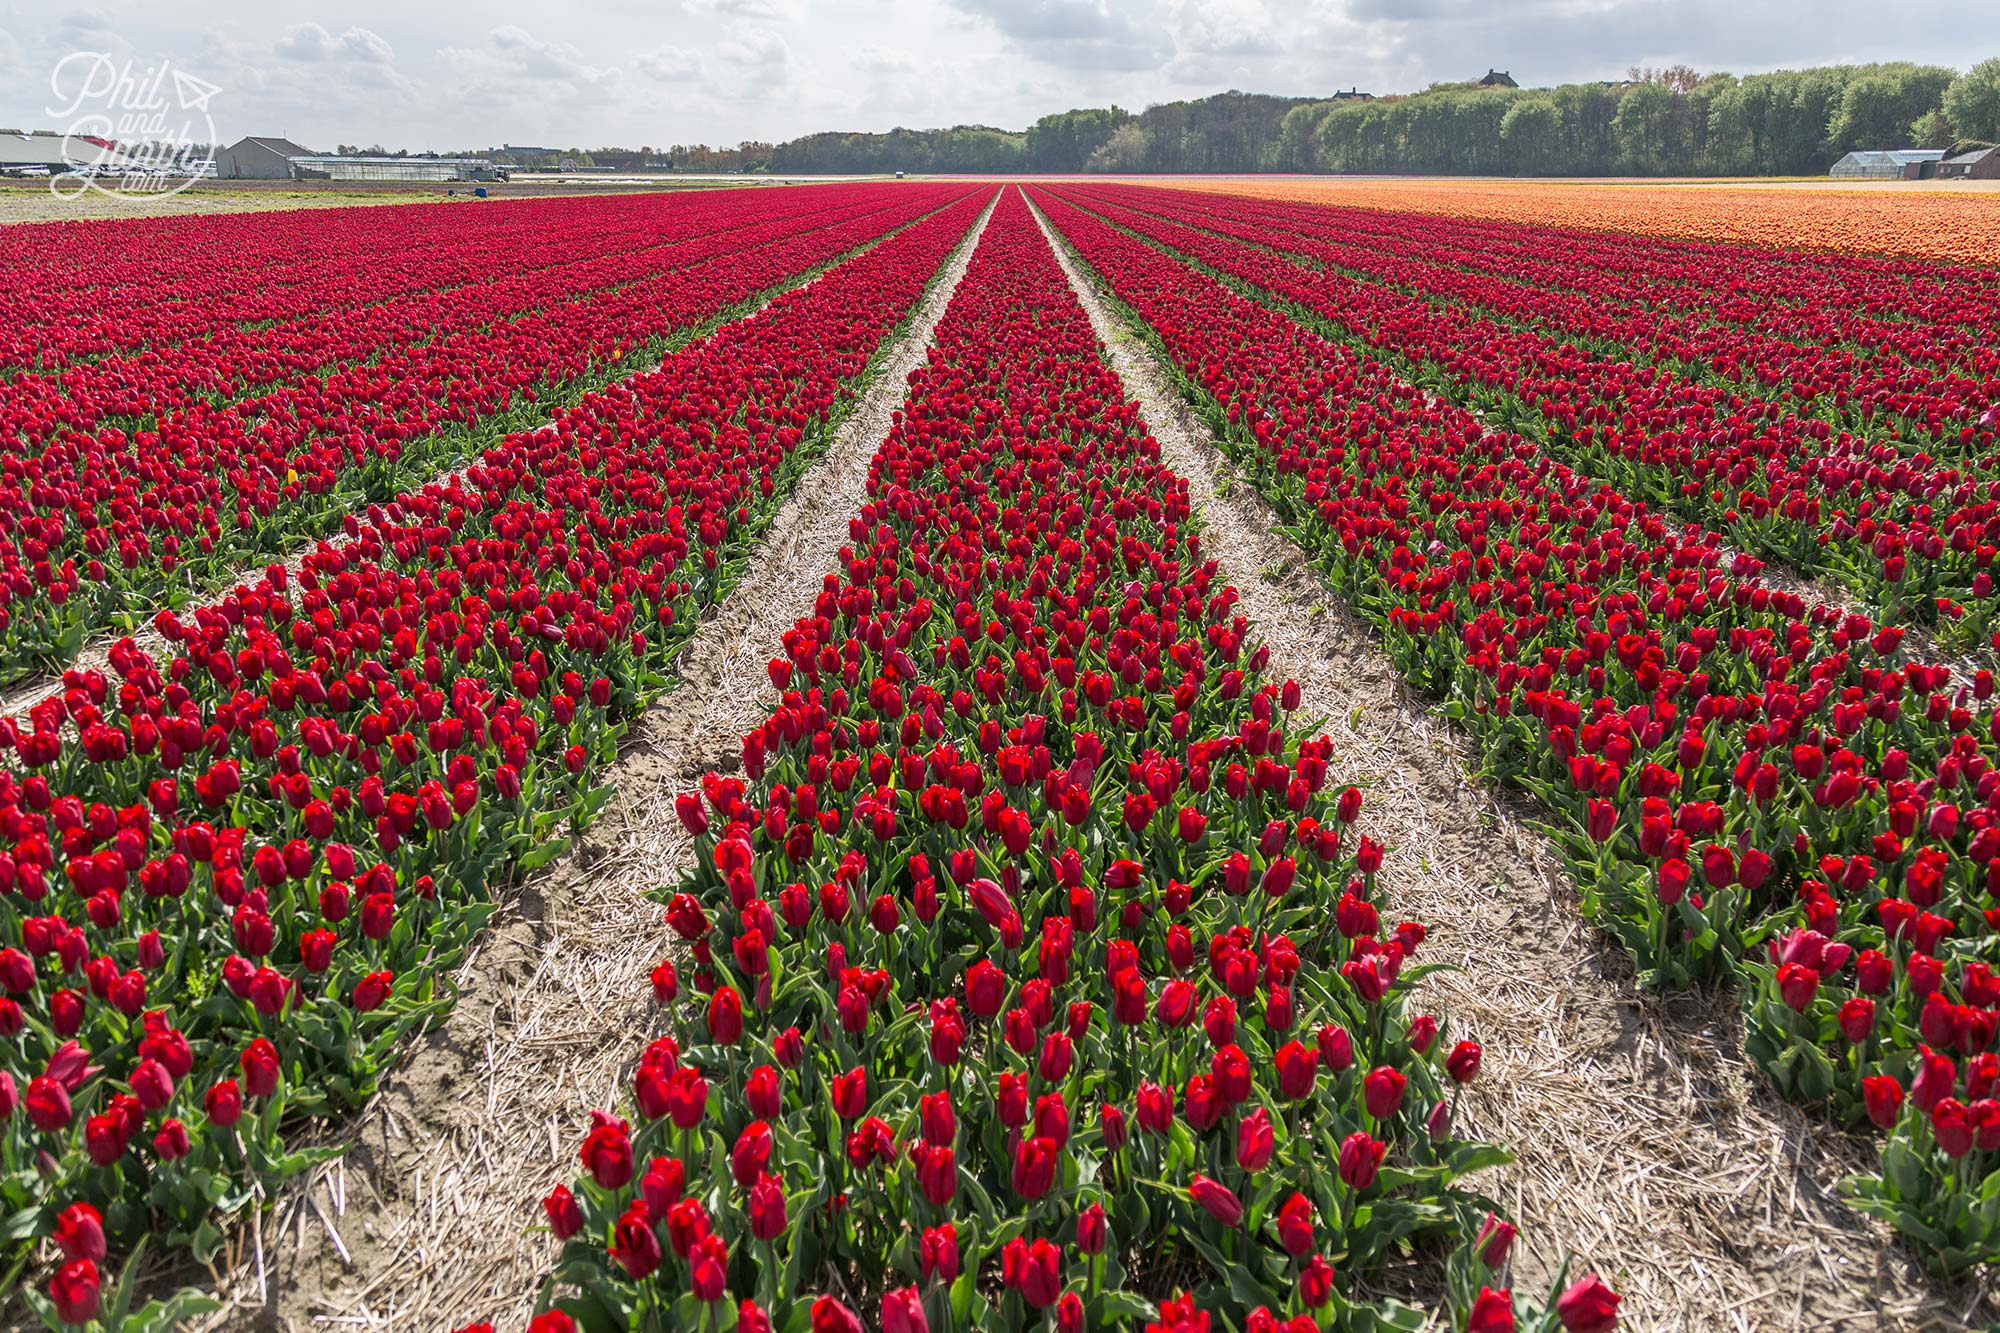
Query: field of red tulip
1031,968
1033,945
235,875
151,459
1751,786
1866,454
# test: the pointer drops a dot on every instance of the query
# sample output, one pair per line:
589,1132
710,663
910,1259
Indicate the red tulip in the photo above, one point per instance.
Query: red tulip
634,1245
1495,1239
565,1218
74,1291
1360,1159
903,1311
1588,1306
1254,1142
1382,1091
1492,1312
1092,1231
1295,1226
79,1233
1216,1200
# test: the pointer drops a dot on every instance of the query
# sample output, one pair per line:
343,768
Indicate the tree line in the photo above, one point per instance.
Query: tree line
1653,122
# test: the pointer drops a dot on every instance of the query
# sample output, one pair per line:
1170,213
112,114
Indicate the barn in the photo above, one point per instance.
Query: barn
1982,164
257,159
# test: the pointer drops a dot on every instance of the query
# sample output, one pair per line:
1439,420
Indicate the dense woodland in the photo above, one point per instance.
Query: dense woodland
1654,122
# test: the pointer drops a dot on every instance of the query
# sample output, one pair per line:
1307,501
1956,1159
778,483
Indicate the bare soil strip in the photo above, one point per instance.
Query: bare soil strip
427,1220
1647,1146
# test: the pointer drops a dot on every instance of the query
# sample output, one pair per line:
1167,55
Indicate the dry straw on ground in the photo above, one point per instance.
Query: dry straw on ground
1646,1146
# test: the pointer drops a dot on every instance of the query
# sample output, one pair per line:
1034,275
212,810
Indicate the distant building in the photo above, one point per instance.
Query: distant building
255,159
326,167
1981,164
263,159
1353,95
1498,78
41,151
1882,164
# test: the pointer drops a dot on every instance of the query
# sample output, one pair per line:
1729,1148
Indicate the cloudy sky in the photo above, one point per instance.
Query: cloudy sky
442,74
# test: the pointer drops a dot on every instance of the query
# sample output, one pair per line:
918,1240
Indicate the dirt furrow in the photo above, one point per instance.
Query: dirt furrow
425,1221
1646,1145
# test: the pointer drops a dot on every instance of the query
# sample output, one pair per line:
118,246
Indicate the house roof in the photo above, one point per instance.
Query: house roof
1975,155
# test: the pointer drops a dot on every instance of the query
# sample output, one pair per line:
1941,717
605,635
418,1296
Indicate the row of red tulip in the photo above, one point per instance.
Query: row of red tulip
112,524
1032,943
357,322
1740,318
80,292
1915,540
230,880
1745,787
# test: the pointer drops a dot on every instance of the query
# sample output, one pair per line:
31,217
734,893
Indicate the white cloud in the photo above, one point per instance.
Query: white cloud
766,10
752,63
601,72
311,42
1079,34
492,74
14,65
894,81
670,64
1225,28
83,22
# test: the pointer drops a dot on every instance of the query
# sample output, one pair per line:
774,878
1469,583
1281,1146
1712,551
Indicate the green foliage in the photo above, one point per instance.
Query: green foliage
1792,122
978,148
1879,105
1972,102
1932,130
1671,122
1066,140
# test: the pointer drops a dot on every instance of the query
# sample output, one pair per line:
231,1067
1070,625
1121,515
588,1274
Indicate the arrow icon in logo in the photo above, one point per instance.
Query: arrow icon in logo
193,92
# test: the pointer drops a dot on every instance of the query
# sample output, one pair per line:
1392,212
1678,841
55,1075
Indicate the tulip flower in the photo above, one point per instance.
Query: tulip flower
75,1291
1492,1312
1254,1141
1383,1091
1216,1200
634,1245
1360,1158
1588,1306
830,1316
903,1311
1295,1226
1495,1239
